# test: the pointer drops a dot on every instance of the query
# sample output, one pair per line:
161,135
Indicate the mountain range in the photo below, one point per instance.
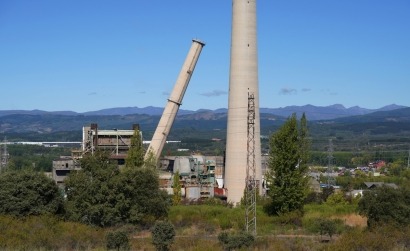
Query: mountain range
311,111
350,126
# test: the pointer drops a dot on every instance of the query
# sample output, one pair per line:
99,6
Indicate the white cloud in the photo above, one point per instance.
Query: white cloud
288,91
214,93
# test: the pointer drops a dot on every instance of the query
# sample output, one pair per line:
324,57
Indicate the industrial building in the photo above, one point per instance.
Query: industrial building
114,141
200,176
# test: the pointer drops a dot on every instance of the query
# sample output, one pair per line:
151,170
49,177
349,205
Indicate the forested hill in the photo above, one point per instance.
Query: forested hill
393,121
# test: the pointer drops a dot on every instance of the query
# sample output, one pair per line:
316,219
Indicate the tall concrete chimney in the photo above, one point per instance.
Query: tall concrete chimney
243,80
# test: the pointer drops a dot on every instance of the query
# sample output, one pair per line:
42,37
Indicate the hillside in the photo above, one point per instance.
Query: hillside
382,127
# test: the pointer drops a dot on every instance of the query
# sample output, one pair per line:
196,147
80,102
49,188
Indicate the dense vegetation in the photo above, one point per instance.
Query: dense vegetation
26,193
34,157
100,194
386,205
197,228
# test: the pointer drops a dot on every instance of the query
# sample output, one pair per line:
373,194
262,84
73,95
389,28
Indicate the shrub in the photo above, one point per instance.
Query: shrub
163,234
117,240
327,227
336,199
235,241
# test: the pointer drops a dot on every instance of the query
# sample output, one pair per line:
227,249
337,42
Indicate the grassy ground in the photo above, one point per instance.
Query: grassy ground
197,228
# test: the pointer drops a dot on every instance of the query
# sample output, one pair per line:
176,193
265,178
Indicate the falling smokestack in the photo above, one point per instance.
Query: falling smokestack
174,101
243,80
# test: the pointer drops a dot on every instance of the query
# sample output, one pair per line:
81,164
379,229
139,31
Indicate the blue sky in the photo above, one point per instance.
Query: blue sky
90,55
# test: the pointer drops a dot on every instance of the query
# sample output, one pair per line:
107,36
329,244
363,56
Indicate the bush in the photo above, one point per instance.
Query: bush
235,241
336,199
117,240
163,234
327,227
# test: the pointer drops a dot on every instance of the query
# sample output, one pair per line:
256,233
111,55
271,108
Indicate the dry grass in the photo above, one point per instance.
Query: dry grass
353,220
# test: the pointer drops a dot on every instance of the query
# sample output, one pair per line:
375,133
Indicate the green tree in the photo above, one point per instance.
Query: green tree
163,234
287,168
386,205
101,195
24,193
304,144
135,156
151,160
176,186
144,201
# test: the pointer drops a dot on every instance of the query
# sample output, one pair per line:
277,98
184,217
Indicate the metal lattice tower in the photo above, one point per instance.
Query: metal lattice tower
251,186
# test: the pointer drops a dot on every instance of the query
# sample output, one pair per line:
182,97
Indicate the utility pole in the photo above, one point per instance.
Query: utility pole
250,182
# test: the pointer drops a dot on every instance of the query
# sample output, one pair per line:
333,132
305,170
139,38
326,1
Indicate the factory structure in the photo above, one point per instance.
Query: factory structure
201,177
115,141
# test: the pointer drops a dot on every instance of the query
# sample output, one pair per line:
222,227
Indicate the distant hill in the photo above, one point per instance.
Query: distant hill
381,128
312,112
325,112
149,110
48,122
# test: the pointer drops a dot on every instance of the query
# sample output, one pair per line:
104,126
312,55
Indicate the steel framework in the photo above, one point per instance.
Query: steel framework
251,186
